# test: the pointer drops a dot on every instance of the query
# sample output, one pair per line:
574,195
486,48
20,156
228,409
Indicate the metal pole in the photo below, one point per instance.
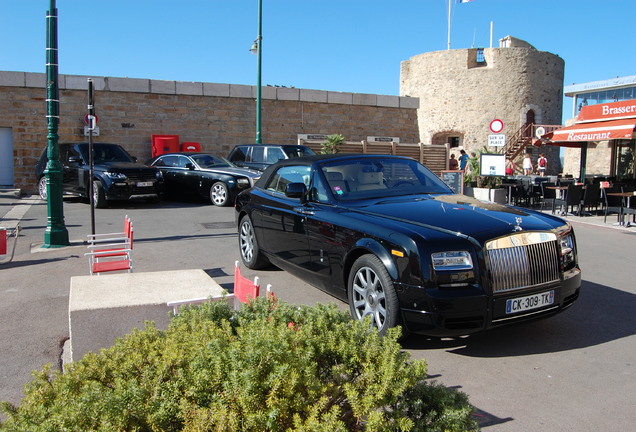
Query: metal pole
91,169
449,24
56,234
259,50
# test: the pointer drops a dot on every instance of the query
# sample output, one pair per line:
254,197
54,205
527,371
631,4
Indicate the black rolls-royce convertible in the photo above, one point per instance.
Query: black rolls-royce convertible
389,237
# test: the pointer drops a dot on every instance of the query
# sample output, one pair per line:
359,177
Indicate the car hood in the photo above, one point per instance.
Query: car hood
460,214
234,171
123,166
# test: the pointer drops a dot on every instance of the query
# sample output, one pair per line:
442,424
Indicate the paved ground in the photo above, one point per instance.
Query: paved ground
573,372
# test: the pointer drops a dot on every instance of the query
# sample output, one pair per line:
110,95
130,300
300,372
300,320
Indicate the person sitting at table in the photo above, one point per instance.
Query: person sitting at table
452,163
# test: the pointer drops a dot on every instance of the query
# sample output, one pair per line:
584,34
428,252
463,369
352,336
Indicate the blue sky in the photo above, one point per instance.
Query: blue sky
336,45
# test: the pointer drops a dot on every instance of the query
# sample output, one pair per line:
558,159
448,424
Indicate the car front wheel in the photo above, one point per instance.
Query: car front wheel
251,254
42,188
219,194
371,293
99,196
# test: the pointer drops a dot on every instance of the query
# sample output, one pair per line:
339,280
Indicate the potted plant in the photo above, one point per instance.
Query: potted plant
485,188
332,144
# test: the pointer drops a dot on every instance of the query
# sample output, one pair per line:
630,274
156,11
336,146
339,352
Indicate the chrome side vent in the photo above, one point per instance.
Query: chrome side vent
523,260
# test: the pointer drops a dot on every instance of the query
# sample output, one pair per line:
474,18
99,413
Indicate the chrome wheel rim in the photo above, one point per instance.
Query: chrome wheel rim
95,192
369,298
42,188
246,237
218,194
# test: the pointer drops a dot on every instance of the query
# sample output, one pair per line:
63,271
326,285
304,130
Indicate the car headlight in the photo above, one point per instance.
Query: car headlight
566,242
159,175
115,176
452,260
243,181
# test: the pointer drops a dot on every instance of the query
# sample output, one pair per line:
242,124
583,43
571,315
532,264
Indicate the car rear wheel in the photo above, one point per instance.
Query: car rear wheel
371,293
251,254
42,188
219,194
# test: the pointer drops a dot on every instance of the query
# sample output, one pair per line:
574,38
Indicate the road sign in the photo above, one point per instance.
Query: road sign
91,121
497,140
539,132
496,126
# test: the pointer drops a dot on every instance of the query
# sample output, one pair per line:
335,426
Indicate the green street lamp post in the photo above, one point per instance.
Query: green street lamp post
56,234
257,48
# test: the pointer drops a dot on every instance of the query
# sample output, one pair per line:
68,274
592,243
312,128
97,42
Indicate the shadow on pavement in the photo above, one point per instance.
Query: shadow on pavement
601,314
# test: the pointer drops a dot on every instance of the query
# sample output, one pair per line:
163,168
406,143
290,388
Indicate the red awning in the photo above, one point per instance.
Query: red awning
572,136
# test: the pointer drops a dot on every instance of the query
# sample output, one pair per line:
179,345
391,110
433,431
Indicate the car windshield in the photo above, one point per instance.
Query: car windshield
378,177
108,153
297,151
211,161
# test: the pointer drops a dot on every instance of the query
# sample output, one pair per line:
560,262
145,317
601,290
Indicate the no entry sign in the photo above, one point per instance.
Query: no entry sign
496,126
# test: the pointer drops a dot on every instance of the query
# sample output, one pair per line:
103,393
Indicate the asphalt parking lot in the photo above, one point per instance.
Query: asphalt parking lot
572,372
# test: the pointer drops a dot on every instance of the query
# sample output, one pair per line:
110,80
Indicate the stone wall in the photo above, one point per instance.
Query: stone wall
218,116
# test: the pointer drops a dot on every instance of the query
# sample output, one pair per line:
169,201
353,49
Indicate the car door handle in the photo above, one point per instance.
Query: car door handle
304,210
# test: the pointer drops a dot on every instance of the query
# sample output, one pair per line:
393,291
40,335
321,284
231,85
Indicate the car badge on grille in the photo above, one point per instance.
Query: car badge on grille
518,221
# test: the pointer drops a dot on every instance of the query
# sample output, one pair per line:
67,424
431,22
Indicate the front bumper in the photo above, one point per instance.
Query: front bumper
132,190
449,313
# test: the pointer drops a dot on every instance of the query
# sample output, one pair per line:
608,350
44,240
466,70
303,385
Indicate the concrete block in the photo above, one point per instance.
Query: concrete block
35,79
80,82
313,95
409,102
365,99
267,92
214,89
106,307
283,93
240,91
12,79
163,87
388,101
128,84
340,98
190,88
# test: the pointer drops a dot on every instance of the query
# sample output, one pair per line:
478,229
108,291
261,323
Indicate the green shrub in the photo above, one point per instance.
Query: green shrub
270,367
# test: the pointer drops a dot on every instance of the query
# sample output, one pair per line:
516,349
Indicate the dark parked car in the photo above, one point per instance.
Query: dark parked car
203,175
117,174
260,156
388,236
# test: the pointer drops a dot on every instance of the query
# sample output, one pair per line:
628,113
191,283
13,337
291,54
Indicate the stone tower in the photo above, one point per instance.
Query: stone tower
461,91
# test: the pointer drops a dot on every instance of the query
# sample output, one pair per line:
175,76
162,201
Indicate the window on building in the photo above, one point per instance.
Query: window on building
479,56
454,141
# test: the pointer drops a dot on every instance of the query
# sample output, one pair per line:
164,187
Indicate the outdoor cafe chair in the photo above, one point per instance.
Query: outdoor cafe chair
613,204
591,197
548,195
244,291
572,198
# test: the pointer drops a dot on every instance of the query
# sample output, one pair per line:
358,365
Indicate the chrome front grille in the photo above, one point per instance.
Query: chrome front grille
523,260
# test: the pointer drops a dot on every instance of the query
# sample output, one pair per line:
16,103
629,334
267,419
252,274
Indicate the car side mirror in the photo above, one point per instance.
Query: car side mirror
189,166
296,190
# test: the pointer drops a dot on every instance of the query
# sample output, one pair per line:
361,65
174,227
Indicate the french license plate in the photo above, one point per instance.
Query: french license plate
530,302
144,184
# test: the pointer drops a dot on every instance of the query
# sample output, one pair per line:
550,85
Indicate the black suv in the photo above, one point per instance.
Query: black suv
260,156
117,175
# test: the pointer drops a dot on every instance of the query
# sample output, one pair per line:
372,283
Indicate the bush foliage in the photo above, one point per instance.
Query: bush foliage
269,367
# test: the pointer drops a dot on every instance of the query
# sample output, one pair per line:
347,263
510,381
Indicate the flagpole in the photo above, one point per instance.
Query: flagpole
449,24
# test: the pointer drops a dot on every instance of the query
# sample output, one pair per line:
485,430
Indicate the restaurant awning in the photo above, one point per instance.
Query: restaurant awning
573,136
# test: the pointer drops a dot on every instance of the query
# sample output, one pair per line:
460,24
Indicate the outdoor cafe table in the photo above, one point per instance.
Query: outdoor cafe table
624,205
510,186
